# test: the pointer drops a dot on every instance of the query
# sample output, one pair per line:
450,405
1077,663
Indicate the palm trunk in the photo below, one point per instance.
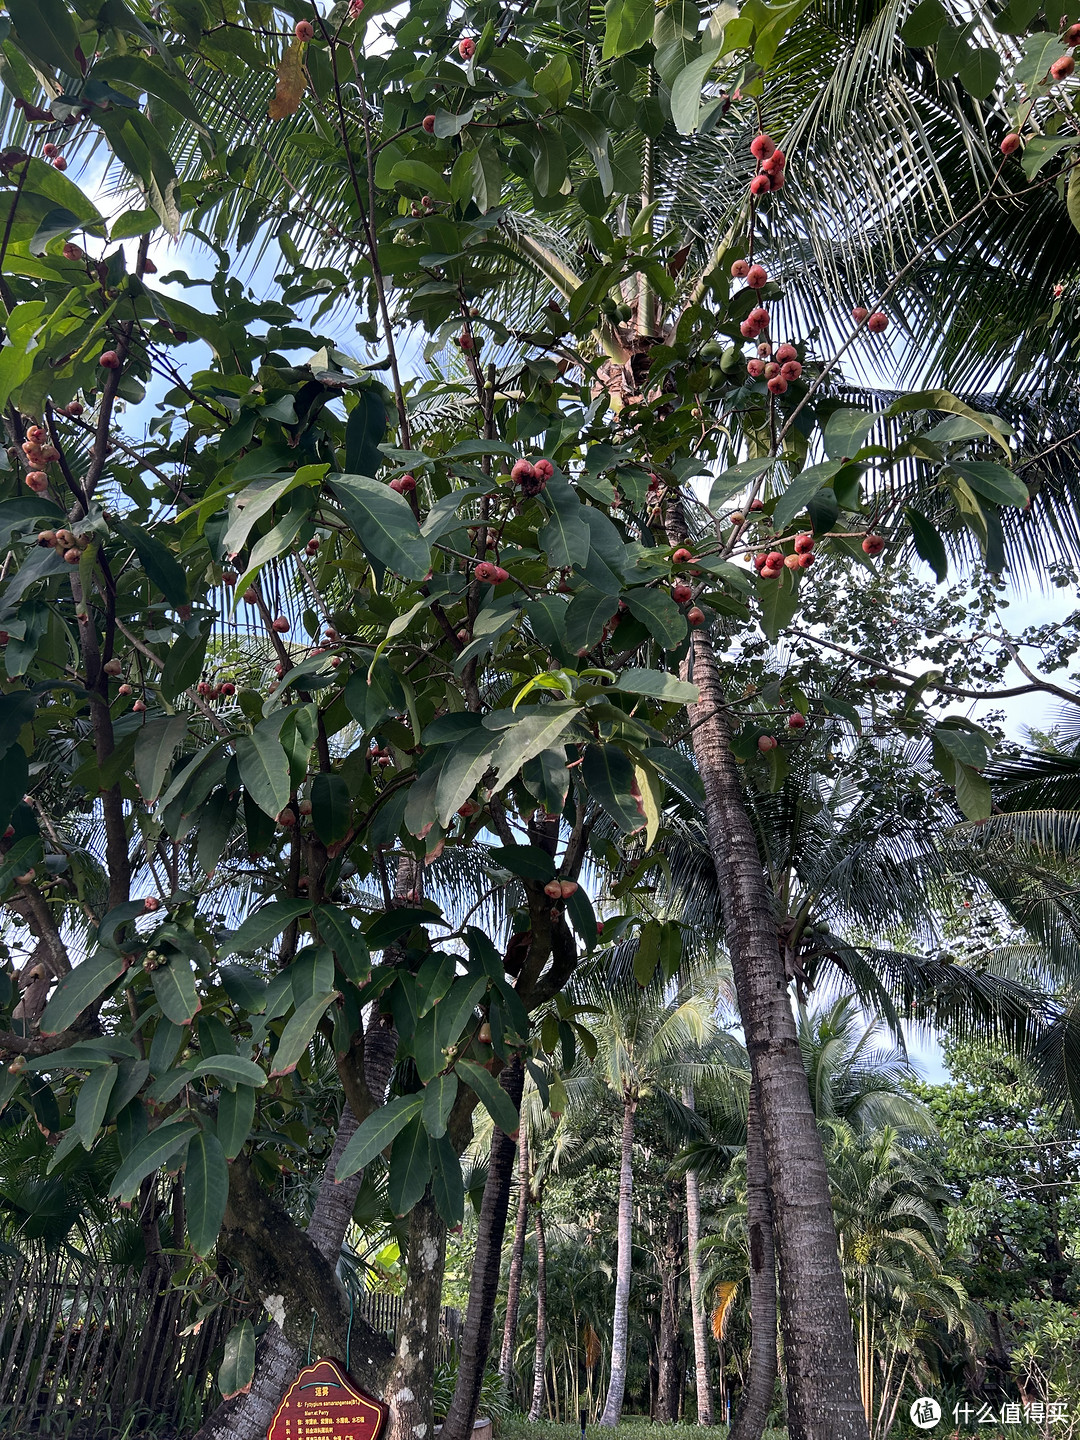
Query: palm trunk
484,1280
517,1262
819,1348
668,1387
540,1355
621,1323
757,1396
697,1299
411,1387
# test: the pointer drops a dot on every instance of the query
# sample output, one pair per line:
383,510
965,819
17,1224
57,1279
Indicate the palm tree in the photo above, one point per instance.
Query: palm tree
643,1041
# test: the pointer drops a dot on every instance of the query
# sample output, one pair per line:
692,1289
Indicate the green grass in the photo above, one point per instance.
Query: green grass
634,1428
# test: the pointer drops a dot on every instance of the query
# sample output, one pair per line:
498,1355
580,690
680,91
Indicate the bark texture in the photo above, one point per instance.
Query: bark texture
621,1322
699,1319
517,1262
293,1272
668,1388
410,1389
757,1396
487,1263
536,1405
819,1348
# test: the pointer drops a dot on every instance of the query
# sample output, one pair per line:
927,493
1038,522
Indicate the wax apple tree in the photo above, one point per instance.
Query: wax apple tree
287,622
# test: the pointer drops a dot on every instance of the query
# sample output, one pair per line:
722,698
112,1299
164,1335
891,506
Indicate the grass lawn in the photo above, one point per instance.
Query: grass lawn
634,1428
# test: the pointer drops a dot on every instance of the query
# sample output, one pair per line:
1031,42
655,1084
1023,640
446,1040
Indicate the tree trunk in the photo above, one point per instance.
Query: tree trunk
819,1348
757,1396
484,1280
703,1387
540,1355
668,1387
620,1328
517,1262
410,1389
247,1417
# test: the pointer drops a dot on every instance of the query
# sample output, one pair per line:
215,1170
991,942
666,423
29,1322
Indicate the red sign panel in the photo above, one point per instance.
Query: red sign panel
322,1403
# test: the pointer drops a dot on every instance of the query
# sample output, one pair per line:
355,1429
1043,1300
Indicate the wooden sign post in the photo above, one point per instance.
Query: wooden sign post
322,1403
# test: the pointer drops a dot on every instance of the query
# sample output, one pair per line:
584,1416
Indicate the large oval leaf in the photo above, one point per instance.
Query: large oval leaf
206,1189
384,524
238,1367
296,1036
80,988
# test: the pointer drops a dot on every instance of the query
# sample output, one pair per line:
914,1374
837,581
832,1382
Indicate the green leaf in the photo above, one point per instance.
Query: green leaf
647,954
549,161
93,1102
686,95
52,226
771,24
659,614
233,1069
162,567
658,685
923,25
565,537
264,769
993,482
184,662
268,922
384,524
174,986
980,73
736,478
964,745
439,1096
296,1037
492,1096
447,1185
485,175
147,75
554,82
365,430
628,24
206,1191
1040,52
350,949
79,988
942,400
528,861
586,615
928,543
236,1113
973,794
846,432
425,177
802,490
238,1367
154,750
530,732
331,807
779,601
461,772
376,1133
150,1154
17,708
410,1168
609,776
1072,197
46,29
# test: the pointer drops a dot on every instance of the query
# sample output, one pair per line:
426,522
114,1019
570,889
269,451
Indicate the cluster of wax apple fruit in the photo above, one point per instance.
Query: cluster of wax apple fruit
39,451
777,369
1061,69
531,476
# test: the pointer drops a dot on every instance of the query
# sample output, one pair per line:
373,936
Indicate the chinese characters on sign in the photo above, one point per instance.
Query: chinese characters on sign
323,1404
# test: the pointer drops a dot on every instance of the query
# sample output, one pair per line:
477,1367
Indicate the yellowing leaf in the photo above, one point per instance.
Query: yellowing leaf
726,1291
291,83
